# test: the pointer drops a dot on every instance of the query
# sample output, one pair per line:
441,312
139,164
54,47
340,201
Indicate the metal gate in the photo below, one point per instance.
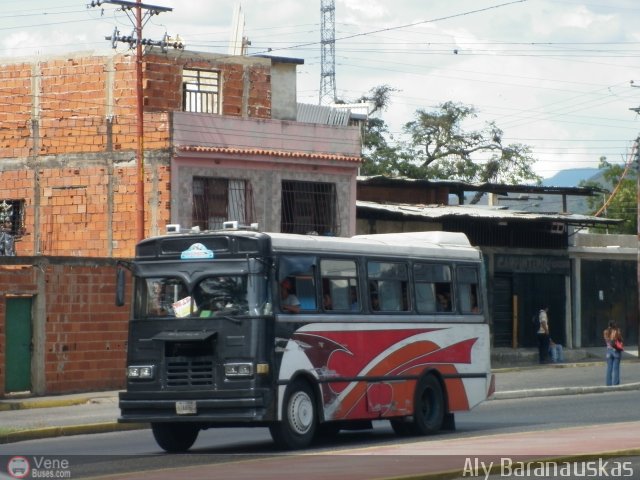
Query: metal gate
18,344
502,311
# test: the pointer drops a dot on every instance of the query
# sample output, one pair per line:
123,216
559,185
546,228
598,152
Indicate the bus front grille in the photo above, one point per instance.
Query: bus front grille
189,372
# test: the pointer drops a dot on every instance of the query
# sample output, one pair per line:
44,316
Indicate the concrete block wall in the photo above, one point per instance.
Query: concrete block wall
79,335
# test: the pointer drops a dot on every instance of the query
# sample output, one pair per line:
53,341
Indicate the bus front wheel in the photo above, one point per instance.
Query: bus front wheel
175,437
299,418
429,407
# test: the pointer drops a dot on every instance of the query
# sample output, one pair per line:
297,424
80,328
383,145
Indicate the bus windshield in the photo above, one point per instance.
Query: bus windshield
212,296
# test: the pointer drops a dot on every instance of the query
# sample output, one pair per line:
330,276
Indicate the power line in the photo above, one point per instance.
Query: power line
399,27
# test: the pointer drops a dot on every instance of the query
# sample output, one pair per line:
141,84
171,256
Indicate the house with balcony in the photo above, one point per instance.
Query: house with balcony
221,141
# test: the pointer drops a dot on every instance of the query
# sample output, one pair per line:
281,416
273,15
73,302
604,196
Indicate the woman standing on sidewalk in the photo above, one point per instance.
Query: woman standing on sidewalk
612,334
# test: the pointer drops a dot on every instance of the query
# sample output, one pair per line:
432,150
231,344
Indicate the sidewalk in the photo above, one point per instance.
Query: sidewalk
97,412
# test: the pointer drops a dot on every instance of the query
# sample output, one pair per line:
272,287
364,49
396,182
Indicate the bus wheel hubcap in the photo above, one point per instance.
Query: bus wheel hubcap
300,412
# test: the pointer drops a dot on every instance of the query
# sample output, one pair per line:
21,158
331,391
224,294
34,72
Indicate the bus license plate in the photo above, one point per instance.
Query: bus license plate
186,407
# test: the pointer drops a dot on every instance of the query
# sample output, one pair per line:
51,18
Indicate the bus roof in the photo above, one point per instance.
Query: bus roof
239,243
421,244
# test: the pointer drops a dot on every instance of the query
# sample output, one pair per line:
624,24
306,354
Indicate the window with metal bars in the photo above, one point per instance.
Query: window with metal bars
309,207
217,200
12,216
200,91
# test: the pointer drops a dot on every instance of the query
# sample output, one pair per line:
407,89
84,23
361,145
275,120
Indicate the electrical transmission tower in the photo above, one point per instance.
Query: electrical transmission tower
328,54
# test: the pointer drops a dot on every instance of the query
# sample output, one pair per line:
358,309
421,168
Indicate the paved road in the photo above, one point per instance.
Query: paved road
21,419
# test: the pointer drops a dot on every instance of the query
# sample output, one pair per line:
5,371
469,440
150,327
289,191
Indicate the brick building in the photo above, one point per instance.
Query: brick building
221,141
60,330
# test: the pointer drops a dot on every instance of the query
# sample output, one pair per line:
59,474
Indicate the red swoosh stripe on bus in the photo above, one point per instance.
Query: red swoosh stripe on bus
411,360
326,348
361,346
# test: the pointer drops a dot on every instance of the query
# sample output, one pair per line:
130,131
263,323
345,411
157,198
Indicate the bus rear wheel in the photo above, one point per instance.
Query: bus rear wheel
175,437
299,418
429,406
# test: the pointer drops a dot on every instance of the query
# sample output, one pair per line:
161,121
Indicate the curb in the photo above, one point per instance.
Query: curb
27,404
517,367
69,430
7,405
552,392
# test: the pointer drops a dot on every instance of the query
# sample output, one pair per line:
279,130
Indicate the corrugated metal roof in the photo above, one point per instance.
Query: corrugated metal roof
480,212
323,115
456,186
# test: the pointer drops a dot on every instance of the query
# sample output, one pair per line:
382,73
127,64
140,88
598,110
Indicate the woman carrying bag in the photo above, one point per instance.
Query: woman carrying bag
613,340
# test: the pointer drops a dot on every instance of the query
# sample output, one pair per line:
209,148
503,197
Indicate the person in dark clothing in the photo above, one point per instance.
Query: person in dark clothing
543,335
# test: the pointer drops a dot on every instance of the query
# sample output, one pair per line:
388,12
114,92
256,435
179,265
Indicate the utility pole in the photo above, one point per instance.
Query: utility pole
637,170
328,52
137,39
636,164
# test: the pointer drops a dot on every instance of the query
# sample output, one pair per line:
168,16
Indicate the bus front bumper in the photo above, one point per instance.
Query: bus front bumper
201,407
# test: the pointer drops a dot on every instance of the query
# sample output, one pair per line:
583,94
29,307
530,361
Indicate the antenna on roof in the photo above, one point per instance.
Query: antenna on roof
238,43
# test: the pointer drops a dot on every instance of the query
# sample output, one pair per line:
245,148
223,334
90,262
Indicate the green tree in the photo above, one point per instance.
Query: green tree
622,203
380,154
436,146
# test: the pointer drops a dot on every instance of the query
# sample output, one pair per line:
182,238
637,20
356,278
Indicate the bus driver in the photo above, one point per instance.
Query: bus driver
288,301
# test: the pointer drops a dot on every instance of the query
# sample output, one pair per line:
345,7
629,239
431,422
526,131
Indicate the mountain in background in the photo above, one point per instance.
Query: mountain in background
571,177
550,203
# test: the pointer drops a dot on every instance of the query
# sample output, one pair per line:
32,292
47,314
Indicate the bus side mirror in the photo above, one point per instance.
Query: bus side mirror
120,286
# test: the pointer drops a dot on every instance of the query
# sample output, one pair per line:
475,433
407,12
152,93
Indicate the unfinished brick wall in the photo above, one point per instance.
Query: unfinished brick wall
69,140
15,110
79,335
260,93
163,84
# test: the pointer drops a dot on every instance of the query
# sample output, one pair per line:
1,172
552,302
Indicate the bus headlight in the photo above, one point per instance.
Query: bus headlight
141,372
236,370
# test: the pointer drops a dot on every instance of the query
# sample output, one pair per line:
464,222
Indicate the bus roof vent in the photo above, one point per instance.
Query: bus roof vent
173,228
230,225
235,225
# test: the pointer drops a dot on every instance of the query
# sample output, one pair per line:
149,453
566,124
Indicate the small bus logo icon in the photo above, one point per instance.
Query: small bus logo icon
18,467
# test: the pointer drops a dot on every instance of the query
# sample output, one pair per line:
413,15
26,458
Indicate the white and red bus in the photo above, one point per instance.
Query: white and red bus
376,327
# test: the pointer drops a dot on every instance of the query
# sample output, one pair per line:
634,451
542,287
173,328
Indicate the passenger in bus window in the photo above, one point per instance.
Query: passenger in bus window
354,298
375,302
327,304
474,303
288,301
444,302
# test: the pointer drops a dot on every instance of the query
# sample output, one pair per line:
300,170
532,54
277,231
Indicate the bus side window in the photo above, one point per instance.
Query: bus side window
425,297
433,282
467,279
299,271
391,281
306,291
340,284
390,296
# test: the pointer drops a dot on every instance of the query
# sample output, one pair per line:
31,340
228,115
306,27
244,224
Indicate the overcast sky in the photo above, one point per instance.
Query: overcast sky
556,75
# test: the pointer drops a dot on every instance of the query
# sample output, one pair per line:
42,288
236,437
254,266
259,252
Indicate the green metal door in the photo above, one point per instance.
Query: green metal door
18,345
